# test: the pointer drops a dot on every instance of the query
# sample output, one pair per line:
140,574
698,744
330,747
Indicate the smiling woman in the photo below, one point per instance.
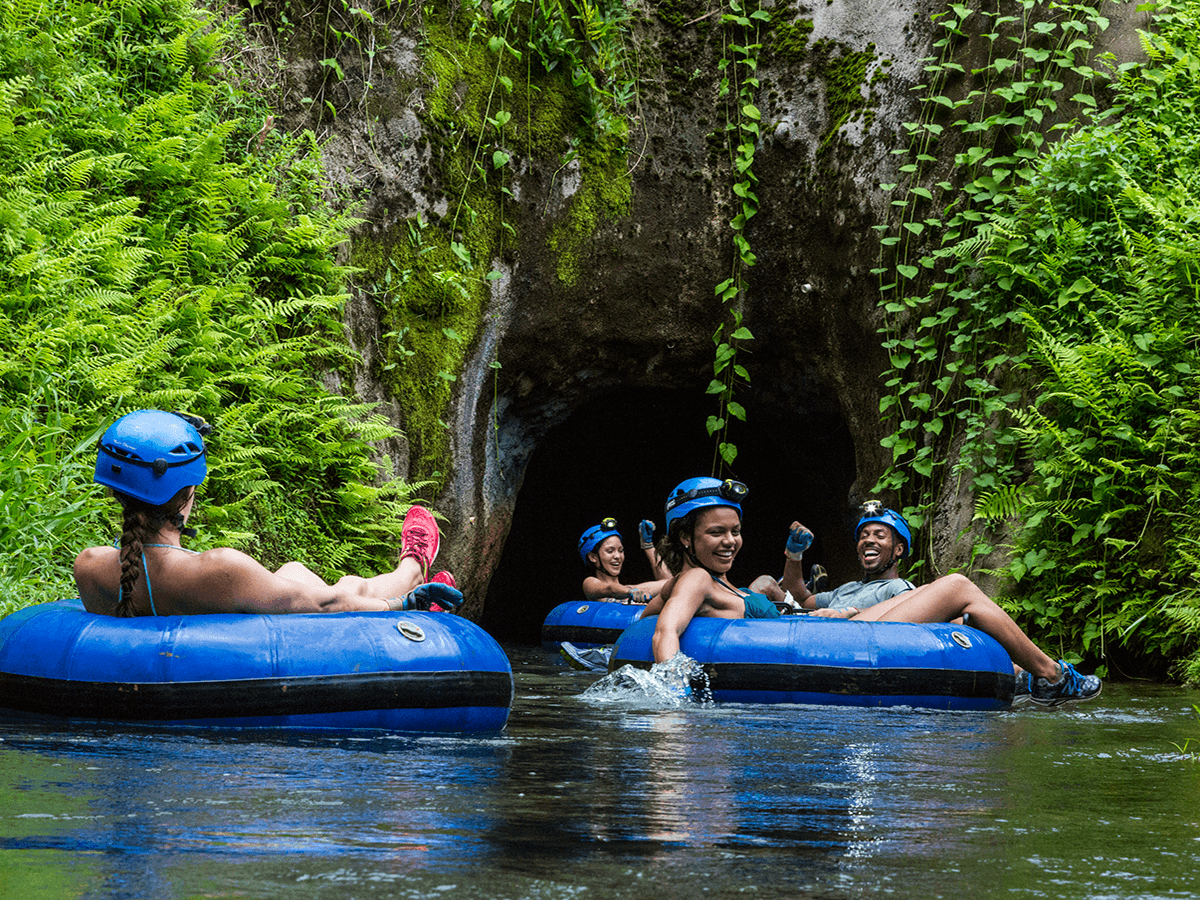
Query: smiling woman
704,535
601,549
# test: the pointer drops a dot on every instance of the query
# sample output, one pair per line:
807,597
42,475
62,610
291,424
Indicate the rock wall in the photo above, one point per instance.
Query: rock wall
628,300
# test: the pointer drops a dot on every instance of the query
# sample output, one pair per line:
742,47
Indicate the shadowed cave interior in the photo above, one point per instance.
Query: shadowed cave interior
796,465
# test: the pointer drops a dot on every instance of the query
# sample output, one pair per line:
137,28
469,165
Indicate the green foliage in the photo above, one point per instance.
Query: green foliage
161,246
1072,268
739,83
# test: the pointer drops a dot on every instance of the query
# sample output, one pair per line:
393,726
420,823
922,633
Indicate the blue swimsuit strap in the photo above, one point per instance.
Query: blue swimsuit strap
146,572
738,591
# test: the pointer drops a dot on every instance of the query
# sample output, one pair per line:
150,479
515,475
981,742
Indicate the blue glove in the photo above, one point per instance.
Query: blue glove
646,533
433,597
799,540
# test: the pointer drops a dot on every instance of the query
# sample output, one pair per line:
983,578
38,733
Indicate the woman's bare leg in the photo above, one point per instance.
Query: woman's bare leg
295,571
406,576
419,548
950,597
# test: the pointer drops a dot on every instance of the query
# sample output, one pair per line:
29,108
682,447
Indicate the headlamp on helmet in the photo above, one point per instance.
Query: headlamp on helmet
874,511
597,535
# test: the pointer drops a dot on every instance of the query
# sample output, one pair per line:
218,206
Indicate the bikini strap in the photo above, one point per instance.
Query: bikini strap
737,591
146,572
146,575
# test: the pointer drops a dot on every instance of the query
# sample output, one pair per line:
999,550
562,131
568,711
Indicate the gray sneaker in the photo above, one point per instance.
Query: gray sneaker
585,659
1071,688
1024,687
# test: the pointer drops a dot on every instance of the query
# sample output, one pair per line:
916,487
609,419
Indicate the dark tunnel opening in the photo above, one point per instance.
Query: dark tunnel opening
622,453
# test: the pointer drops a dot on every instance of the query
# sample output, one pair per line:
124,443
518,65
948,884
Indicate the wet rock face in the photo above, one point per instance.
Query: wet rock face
640,311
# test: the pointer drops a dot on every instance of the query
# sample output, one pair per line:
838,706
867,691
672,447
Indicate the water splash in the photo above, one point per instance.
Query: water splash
677,682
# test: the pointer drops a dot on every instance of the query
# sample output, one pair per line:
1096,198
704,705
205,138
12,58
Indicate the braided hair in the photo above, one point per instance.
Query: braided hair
141,523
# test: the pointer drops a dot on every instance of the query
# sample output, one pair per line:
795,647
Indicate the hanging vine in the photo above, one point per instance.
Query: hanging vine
739,82
952,348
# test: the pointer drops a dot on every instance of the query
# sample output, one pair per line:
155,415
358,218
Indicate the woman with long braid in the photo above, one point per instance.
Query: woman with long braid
153,461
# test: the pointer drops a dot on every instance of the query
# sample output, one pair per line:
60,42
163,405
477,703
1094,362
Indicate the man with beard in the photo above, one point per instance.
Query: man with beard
883,539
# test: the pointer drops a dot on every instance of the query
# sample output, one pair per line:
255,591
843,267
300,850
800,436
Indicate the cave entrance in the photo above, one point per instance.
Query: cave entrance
621,454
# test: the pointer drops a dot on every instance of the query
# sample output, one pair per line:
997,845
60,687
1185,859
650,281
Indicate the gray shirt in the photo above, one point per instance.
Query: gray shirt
861,594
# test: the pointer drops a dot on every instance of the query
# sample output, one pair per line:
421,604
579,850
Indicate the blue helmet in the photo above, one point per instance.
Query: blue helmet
696,493
149,455
595,536
873,511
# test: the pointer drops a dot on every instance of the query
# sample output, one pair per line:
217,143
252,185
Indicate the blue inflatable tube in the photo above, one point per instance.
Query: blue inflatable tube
409,672
811,659
588,623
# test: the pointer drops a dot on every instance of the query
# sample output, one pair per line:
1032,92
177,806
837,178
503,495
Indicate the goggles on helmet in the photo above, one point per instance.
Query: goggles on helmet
695,493
731,490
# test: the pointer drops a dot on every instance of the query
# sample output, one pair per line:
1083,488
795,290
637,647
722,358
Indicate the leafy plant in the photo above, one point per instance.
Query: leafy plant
739,82
1044,320
160,248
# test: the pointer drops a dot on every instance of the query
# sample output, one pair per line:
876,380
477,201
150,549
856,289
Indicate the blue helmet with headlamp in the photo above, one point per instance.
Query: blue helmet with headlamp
597,535
150,455
874,511
697,493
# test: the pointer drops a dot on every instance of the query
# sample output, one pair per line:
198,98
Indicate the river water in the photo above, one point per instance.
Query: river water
622,795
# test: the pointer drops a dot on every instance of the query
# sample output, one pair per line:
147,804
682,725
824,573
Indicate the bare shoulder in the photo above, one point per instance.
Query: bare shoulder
693,580
97,578
95,557
227,557
221,580
691,587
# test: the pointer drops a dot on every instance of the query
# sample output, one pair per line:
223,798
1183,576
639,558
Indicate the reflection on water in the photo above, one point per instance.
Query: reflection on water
621,795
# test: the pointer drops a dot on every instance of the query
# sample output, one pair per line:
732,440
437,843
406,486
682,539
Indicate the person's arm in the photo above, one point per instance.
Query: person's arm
646,542
647,590
655,606
846,612
799,539
597,589
690,591
89,565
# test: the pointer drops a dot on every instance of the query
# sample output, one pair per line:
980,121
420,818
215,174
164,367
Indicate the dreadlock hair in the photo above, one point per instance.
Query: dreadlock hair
141,523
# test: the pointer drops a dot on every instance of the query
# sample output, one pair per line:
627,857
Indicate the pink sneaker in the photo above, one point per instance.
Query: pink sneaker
444,578
420,538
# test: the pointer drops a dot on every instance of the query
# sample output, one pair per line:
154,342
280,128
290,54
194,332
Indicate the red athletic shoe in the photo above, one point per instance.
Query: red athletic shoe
444,578
420,538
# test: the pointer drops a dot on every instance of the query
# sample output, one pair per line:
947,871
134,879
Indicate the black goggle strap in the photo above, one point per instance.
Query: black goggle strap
726,490
202,427
159,465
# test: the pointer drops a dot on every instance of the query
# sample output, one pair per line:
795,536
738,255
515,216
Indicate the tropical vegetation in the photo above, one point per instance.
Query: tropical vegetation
161,245
1051,325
